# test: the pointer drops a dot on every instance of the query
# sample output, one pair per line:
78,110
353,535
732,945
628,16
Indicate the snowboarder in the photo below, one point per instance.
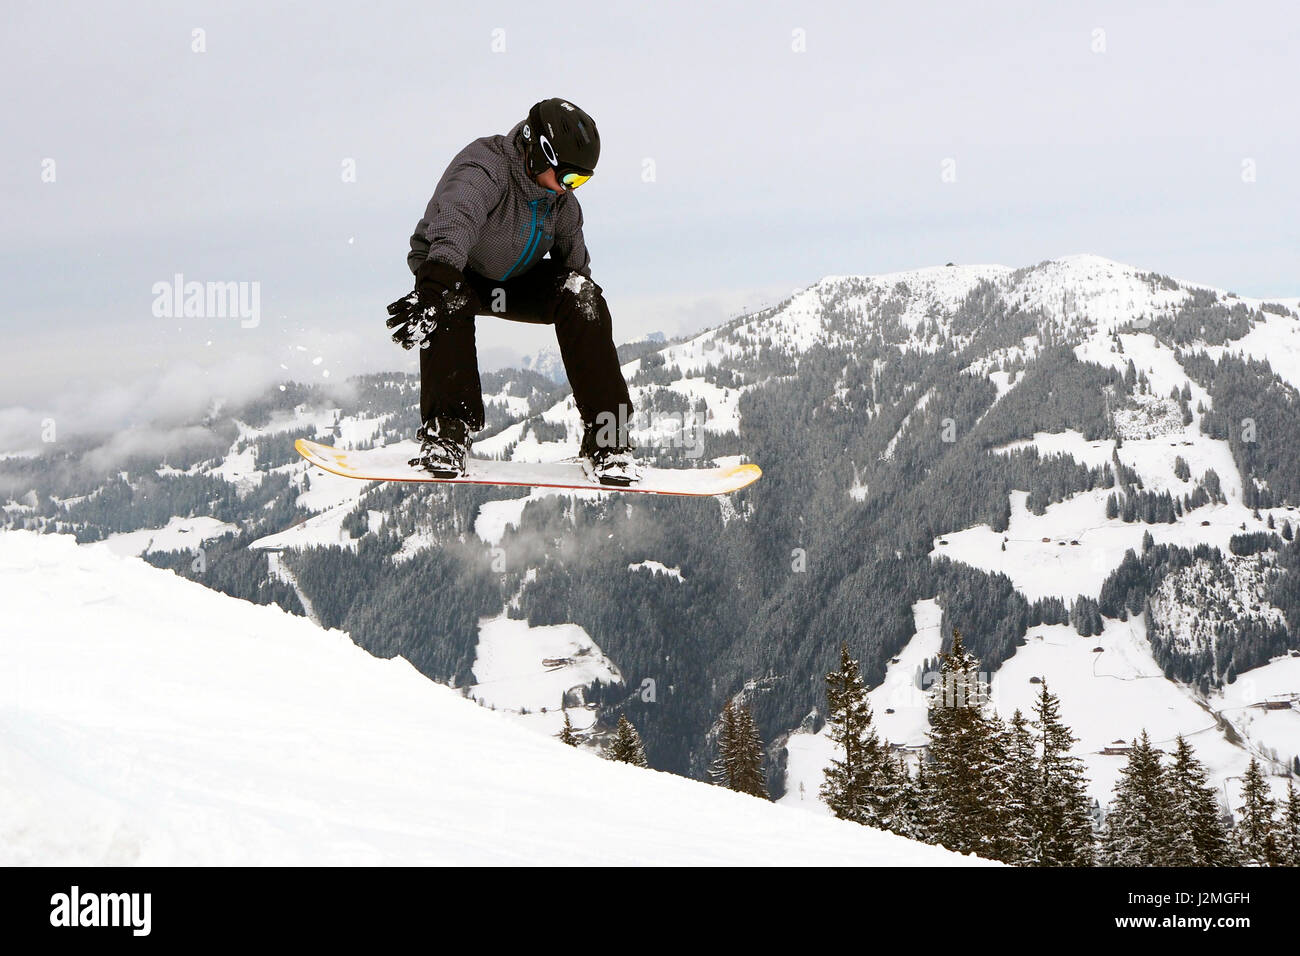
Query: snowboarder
500,207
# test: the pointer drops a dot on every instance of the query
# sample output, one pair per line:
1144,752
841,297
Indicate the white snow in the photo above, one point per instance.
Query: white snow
519,667
1041,568
1093,454
1156,361
515,405
909,724
657,568
328,490
419,540
178,535
320,530
529,448
1276,733
240,469
149,720
723,403
1081,289
1114,695
494,517
1277,339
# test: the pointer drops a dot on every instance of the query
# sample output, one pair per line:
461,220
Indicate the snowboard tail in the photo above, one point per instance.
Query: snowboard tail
392,463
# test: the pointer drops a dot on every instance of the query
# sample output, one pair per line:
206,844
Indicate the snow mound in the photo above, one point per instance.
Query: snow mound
149,720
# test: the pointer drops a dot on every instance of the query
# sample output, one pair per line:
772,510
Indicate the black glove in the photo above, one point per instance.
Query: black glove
441,292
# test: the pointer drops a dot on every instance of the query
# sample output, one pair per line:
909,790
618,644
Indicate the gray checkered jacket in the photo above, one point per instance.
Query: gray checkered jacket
487,215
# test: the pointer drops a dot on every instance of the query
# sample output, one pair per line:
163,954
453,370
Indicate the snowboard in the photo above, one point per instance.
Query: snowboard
391,463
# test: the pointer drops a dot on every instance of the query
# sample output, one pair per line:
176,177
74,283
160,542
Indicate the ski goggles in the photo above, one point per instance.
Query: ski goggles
570,177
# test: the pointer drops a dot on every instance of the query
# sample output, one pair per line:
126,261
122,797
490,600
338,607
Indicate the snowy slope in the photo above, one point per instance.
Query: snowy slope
178,535
1244,704
1109,695
149,720
1110,687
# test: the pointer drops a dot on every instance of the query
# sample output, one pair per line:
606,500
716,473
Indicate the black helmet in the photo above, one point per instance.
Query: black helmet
558,135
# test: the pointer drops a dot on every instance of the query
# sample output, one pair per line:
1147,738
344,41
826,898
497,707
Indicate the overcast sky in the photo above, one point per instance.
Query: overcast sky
788,141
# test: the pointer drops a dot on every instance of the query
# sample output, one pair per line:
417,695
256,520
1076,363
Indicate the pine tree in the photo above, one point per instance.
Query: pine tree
904,811
1289,841
1137,829
966,799
1063,820
747,773
740,752
1001,841
891,800
566,733
1255,831
1022,789
721,769
1200,837
851,782
626,747
918,800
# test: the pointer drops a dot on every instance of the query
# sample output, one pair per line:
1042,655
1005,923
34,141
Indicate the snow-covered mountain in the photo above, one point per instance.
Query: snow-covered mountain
940,446
149,720
546,362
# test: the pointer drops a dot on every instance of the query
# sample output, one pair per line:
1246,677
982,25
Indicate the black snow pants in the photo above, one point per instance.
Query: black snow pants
547,294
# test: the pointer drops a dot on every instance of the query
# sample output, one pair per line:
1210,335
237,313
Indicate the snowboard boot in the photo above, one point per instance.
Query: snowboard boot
444,444
615,466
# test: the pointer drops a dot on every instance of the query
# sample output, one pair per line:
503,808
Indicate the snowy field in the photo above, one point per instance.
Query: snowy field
520,667
179,534
1111,695
1110,689
1041,559
1242,703
149,720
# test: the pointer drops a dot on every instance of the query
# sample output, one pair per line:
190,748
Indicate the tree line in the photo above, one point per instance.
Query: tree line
1009,790
1012,791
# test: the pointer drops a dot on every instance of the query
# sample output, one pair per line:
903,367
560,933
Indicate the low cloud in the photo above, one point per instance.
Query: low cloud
178,396
179,444
160,414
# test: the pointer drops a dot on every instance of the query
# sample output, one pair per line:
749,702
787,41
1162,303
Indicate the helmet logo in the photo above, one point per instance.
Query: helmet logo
566,106
549,150
528,133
